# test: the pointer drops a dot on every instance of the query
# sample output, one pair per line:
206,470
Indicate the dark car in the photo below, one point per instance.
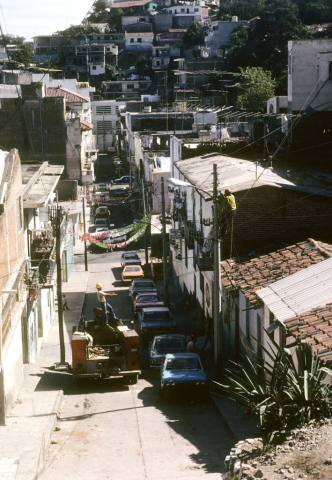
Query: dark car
145,300
124,179
141,286
130,258
155,320
183,373
163,344
118,192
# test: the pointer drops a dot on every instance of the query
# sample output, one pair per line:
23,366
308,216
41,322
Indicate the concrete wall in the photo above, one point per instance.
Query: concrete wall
163,22
309,64
220,33
67,189
36,128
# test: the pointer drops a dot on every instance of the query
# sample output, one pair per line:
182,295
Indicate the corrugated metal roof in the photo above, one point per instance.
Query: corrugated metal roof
239,175
307,289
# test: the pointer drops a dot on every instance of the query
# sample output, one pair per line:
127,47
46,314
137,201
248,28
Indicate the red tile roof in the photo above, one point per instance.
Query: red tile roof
86,125
314,327
71,97
259,272
129,4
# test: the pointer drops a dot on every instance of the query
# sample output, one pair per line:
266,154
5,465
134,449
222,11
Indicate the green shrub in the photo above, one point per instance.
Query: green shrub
284,396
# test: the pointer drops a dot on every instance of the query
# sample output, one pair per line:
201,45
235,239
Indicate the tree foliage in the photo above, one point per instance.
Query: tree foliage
255,88
23,56
144,65
77,33
194,35
267,42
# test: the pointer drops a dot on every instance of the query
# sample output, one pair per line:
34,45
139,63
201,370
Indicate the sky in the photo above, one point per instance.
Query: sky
28,18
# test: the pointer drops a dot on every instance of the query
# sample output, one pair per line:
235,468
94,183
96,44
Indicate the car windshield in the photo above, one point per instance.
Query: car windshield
148,298
183,364
144,285
157,315
133,255
169,343
132,269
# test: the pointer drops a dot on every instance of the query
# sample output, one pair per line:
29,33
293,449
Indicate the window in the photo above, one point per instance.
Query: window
94,67
183,10
139,40
19,214
259,335
196,9
131,40
270,323
130,86
201,282
247,320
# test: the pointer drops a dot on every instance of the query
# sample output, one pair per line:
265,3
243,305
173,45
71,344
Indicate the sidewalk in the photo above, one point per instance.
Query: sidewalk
29,425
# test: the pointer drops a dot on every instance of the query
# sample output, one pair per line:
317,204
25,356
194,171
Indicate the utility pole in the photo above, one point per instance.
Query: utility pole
146,228
216,269
2,379
164,242
59,285
85,247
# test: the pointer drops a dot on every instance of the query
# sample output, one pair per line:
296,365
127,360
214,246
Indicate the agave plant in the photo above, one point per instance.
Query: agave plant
283,395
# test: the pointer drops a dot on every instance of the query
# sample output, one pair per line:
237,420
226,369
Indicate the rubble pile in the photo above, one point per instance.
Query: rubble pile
305,454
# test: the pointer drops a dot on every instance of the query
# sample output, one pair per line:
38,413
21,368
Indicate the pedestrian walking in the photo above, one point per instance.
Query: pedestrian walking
191,347
208,334
64,303
103,304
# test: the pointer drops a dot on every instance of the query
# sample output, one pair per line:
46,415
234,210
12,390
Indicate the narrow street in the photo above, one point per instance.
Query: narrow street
107,430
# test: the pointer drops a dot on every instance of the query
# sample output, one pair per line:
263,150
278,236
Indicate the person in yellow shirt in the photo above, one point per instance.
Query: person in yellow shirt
229,210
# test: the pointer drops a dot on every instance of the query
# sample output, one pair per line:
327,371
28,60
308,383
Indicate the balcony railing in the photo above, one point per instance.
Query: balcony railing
203,256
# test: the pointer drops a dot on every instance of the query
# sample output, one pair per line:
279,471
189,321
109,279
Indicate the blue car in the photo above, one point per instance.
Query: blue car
183,373
124,179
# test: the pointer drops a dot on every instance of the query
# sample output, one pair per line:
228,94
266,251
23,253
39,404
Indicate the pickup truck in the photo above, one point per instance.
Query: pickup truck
106,353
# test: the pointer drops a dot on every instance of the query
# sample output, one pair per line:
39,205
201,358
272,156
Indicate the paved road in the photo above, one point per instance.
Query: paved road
109,431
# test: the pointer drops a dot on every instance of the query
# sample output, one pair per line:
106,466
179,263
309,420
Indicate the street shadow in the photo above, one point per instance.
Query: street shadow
117,273
195,421
51,380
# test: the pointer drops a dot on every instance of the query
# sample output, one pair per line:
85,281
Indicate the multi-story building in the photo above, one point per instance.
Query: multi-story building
55,126
139,42
219,34
162,56
106,124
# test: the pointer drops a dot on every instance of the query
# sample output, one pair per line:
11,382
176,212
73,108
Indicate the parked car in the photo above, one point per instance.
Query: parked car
132,272
101,222
183,373
102,187
141,286
145,300
124,179
117,192
163,344
102,212
155,320
130,258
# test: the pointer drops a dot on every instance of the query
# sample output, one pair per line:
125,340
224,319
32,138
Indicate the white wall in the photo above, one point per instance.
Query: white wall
308,75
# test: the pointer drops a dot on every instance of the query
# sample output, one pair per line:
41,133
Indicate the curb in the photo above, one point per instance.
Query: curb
229,429
47,434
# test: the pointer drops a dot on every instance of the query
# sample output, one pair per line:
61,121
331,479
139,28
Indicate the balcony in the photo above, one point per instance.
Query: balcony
203,256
